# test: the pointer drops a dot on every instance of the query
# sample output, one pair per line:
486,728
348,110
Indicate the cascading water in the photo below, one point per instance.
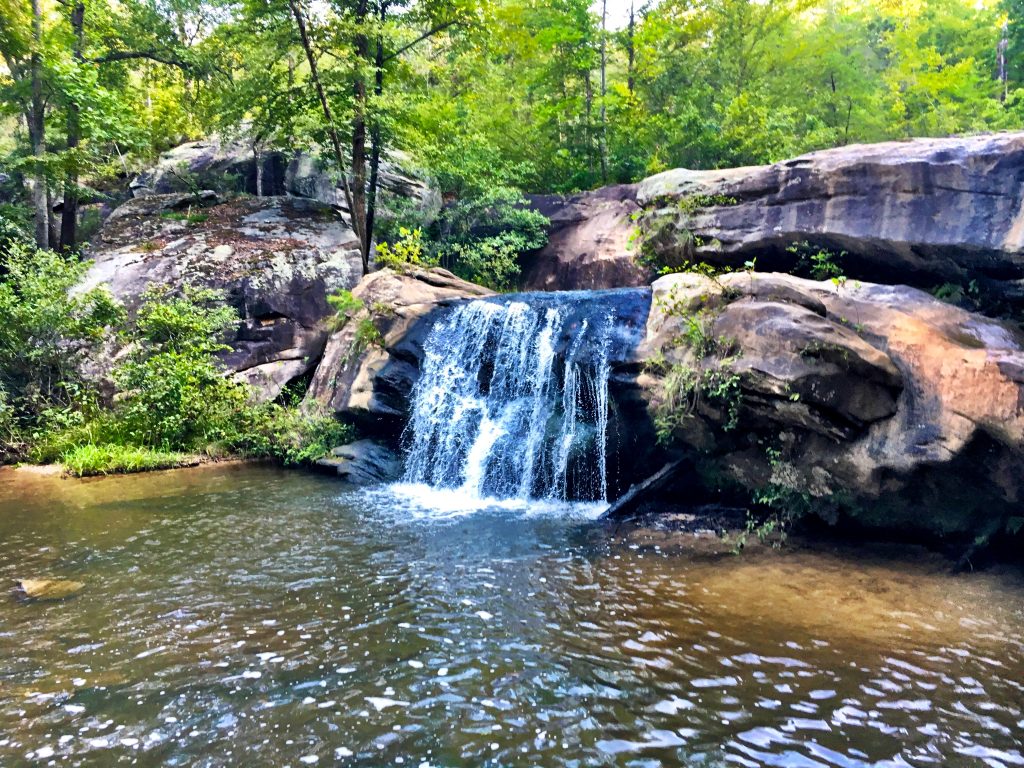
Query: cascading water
512,402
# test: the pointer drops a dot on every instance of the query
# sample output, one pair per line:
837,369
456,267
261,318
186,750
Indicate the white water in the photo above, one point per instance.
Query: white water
500,413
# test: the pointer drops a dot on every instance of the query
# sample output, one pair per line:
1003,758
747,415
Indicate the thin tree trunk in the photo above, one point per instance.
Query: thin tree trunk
257,158
631,51
604,91
37,131
375,132
69,217
588,127
332,129
362,49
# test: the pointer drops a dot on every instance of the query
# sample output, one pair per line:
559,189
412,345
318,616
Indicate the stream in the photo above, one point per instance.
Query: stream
244,615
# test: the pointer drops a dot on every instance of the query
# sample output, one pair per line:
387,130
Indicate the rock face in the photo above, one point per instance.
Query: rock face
589,242
922,212
277,259
230,167
364,462
878,400
370,364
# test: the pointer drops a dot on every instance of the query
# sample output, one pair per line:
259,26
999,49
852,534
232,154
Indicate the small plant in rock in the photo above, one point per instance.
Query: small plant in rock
820,263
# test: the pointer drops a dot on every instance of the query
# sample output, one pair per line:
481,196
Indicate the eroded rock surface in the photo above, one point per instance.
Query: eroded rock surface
922,212
364,462
880,398
276,259
370,363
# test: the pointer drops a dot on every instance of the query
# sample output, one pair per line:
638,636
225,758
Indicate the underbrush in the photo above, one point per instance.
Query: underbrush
172,399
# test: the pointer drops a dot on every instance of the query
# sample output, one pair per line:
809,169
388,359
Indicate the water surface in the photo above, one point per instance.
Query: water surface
250,616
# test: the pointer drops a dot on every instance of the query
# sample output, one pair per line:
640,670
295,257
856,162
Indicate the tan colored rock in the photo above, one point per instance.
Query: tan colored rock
49,589
897,401
370,381
920,212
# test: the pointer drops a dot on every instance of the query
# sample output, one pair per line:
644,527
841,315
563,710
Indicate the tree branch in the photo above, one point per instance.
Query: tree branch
161,58
420,39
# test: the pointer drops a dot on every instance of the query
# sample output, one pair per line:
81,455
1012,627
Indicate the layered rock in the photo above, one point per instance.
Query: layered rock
370,364
878,400
276,260
922,212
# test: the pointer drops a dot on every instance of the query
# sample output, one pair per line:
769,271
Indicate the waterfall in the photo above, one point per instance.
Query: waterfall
512,403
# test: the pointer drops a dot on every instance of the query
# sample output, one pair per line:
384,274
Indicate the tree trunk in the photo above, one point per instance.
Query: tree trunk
257,158
332,129
37,131
604,91
631,51
375,132
69,217
362,46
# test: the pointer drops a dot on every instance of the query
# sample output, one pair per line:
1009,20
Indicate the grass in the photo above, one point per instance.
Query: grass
107,459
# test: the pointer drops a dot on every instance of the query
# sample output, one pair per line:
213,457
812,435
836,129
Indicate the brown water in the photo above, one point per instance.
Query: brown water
248,616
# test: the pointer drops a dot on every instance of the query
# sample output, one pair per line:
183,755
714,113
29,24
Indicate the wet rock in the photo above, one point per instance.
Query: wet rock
364,462
370,364
49,589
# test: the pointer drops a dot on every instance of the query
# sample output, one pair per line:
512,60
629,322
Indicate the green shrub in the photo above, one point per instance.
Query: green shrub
483,238
175,393
291,436
46,334
407,250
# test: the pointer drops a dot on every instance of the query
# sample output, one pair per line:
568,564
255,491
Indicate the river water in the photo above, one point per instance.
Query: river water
239,615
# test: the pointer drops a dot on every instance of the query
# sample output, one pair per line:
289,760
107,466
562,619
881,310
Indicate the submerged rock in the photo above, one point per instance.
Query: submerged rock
49,589
364,462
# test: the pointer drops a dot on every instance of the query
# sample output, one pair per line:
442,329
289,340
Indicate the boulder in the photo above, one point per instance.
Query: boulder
228,166
589,242
276,259
369,365
364,462
904,411
922,212
49,589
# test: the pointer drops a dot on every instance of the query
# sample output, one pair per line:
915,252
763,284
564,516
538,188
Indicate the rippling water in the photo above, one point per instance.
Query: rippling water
247,616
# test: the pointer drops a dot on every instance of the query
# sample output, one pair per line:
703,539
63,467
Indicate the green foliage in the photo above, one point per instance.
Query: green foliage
87,460
820,263
47,334
293,436
406,251
685,389
483,238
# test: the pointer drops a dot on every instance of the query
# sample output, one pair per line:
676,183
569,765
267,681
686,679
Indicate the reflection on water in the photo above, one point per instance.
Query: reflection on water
246,616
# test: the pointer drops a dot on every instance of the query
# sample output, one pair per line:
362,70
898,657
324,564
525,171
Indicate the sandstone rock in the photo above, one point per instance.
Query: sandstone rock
277,259
921,212
907,409
212,163
364,462
370,382
229,166
589,242
49,589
